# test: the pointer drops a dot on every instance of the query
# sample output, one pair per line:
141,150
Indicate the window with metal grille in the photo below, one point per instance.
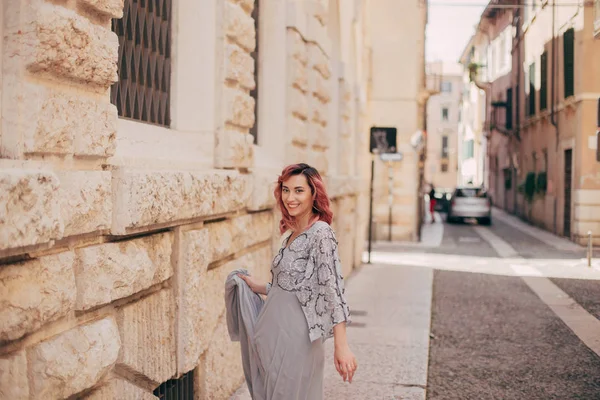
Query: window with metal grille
531,96
544,81
177,389
143,90
254,54
444,146
569,61
509,108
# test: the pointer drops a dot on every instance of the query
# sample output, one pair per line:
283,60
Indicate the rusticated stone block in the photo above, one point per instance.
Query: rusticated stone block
297,130
297,76
119,388
247,5
13,377
239,66
322,89
320,162
345,128
296,154
112,271
297,46
145,197
298,103
263,185
239,26
220,371
110,8
35,292
234,150
29,208
227,237
73,361
319,112
54,122
320,136
60,42
239,108
319,60
148,333
85,198
195,253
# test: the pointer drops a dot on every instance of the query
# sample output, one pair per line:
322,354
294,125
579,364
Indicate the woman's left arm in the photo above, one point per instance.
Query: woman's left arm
343,358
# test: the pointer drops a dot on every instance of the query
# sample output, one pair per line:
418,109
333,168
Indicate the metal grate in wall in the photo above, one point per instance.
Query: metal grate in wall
177,389
143,90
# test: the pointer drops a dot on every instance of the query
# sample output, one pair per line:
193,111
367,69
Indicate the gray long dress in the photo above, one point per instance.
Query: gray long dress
305,302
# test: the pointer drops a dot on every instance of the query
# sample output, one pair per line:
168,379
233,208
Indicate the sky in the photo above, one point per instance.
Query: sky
451,24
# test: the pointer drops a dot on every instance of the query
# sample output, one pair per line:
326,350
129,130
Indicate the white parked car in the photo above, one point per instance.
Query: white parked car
470,202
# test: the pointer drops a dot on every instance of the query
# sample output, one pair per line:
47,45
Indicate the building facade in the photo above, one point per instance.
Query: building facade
398,98
472,140
543,114
139,146
443,115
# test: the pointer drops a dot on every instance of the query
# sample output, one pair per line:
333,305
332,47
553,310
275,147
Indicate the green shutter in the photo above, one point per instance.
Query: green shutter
544,81
569,61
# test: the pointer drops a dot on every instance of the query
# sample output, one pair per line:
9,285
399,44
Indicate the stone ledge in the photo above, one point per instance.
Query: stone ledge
85,198
111,271
60,42
148,334
13,377
73,361
143,198
33,293
29,201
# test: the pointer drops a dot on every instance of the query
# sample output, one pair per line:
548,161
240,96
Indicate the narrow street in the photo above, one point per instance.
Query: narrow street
491,335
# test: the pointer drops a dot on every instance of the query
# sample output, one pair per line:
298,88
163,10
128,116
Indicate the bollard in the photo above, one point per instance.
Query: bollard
589,252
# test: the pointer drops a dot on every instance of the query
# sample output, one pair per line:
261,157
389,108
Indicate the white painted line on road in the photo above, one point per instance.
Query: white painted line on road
525,270
503,249
581,322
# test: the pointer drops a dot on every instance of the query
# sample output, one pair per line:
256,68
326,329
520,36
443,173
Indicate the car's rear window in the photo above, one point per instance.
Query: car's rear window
471,192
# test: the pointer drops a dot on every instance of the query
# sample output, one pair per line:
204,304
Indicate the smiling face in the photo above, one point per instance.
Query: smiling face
297,196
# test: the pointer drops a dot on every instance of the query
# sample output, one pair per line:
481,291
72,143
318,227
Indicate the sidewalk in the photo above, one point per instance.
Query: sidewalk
391,313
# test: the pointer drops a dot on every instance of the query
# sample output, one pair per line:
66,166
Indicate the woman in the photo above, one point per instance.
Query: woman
305,301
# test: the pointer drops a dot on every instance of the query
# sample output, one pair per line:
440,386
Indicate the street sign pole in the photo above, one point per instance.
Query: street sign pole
371,207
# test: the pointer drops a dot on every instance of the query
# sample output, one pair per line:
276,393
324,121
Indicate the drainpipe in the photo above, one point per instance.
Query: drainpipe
517,134
553,116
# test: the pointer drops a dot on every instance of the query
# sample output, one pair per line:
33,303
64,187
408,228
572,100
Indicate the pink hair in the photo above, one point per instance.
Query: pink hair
321,207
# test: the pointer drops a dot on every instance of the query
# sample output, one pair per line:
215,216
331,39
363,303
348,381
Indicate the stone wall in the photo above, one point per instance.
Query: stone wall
114,241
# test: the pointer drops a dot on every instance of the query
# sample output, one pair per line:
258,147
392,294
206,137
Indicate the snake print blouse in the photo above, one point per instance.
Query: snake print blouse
310,267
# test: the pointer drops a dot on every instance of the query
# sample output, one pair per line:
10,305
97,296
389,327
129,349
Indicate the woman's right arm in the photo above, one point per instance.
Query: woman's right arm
255,286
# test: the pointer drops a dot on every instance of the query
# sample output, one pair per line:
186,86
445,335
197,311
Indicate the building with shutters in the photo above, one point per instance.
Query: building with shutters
542,155
443,118
139,145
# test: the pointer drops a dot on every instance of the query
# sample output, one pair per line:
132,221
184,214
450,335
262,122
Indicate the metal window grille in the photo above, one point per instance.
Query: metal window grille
177,389
569,61
544,81
143,90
